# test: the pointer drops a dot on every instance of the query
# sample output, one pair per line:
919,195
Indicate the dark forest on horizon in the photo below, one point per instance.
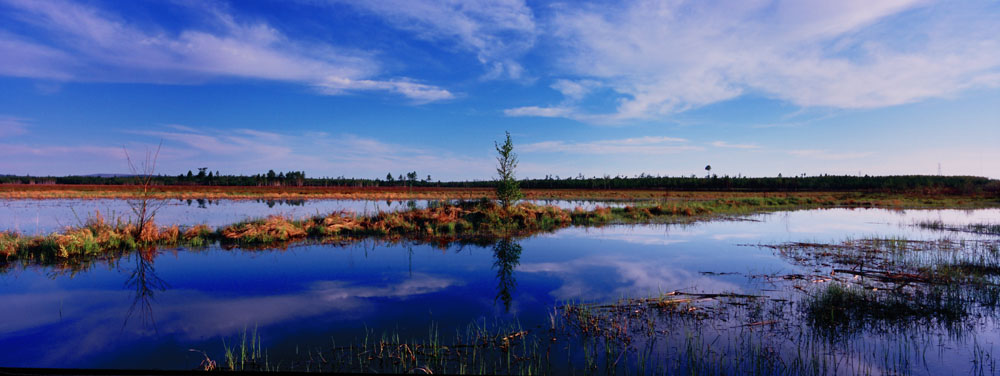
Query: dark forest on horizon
895,183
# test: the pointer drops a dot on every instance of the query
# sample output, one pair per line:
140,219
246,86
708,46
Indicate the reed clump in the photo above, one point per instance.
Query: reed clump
10,243
95,238
273,229
850,306
975,228
198,235
892,261
481,218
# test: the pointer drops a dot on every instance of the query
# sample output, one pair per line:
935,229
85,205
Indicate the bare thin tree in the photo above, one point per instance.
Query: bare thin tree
143,206
143,278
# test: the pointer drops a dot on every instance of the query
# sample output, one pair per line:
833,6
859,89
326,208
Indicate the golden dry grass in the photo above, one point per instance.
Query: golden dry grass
197,231
8,243
272,229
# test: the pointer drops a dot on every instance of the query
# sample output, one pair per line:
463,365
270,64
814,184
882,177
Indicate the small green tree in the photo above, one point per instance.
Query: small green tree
508,189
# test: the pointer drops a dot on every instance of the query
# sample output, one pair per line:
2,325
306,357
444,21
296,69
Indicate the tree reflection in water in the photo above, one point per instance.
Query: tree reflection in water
506,256
145,284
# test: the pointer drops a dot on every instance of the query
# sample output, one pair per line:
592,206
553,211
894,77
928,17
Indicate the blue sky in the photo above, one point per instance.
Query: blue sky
362,88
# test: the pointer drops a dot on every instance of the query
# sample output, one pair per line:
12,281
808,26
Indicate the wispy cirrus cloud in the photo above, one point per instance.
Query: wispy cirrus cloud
245,151
724,144
250,150
421,93
263,145
49,159
661,58
14,150
638,145
12,126
557,111
75,42
497,31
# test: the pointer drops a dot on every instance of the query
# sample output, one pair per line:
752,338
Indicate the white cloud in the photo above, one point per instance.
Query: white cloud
497,31
723,144
419,92
574,90
641,145
89,44
539,111
662,58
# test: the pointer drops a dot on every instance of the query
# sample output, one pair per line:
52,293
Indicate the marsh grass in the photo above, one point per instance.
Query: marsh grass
840,307
673,333
893,261
897,285
737,334
479,348
246,354
96,238
975,228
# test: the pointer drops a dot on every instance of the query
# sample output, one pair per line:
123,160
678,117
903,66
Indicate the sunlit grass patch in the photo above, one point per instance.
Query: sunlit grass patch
198,236
273,229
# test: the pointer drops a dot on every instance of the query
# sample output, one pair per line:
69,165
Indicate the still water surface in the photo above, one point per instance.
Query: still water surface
311,295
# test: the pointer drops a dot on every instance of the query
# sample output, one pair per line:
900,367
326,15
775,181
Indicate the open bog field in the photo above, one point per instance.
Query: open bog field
194,192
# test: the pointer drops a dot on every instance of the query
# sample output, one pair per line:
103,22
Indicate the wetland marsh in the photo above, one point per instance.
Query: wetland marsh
816,291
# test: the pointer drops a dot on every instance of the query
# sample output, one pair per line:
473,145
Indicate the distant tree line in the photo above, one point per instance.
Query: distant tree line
898,183
779,183
280,179
895,183
204,176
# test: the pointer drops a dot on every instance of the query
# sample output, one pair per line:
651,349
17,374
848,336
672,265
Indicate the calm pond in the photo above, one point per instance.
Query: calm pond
149,312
